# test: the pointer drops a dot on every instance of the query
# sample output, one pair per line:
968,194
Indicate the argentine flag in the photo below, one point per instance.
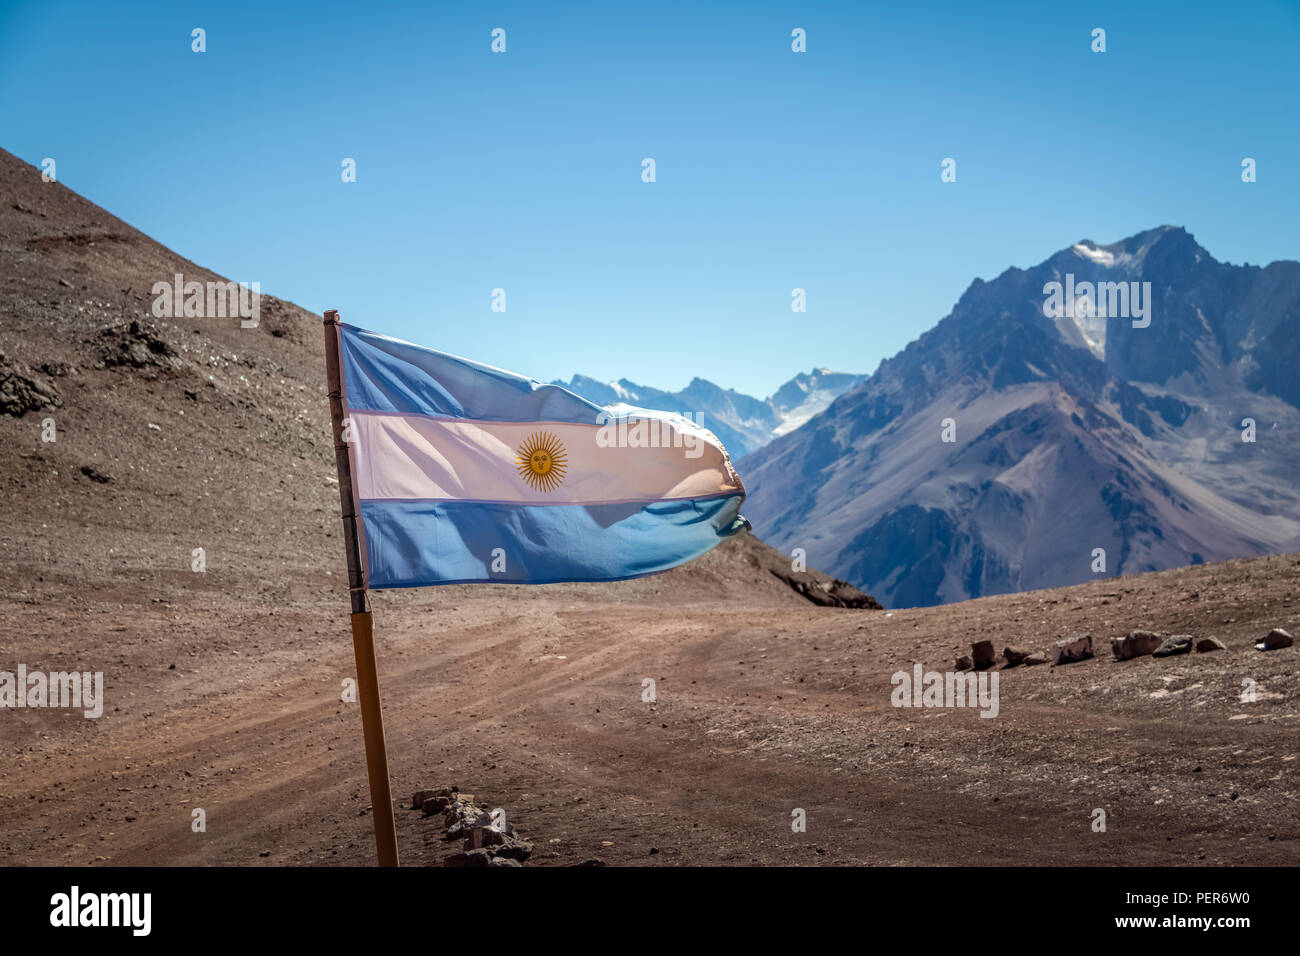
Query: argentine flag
466,473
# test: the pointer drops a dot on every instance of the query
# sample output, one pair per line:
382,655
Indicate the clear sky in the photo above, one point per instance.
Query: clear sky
523,170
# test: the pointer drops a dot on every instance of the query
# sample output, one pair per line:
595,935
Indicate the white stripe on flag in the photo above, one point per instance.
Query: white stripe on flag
416,457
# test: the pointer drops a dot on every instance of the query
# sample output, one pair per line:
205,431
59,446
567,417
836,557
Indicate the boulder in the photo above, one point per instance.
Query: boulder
1070,650
1207,644
964,663
1134,644
1273,640
1038,657
982,654
1174,645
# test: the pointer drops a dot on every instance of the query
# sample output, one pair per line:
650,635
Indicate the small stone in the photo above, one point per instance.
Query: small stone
515,849
484,836
1275,639
434,804
1014,656
1069,650
504,861
982,654
1174,645
1134,644
471,858
1207,644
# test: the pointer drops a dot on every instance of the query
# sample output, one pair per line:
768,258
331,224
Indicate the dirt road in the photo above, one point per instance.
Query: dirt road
531,699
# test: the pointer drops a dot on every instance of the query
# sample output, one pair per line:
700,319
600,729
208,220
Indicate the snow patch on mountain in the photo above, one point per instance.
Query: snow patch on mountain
743,423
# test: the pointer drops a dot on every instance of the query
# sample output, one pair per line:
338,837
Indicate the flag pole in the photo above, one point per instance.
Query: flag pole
363,634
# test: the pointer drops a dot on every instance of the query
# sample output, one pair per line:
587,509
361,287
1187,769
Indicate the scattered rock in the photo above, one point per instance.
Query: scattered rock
21,392
513,849
1207,644
982,654
1177,644
136,345
485,842
1134,644
826,591
471,858
94,475
964,663
1072,649
480,837
1273,640
1038,657
1014,656
435,801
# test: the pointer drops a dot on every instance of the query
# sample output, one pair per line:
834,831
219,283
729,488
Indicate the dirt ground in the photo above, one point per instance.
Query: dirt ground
531,699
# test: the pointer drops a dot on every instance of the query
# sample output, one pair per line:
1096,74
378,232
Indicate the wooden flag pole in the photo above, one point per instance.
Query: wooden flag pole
363,634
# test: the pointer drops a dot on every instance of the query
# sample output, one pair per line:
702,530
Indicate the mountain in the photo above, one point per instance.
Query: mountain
807,394
743,423
1069,433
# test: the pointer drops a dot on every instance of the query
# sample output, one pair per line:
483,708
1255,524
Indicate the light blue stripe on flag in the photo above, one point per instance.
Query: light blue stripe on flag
389,375
416,543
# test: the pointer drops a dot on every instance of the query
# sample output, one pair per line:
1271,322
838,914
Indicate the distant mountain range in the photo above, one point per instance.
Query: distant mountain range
1002,448
743,423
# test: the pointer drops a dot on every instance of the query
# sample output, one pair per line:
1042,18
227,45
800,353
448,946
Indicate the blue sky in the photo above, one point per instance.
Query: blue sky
775,170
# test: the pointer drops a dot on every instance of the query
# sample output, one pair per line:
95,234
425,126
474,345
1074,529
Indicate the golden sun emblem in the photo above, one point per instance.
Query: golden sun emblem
542,461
